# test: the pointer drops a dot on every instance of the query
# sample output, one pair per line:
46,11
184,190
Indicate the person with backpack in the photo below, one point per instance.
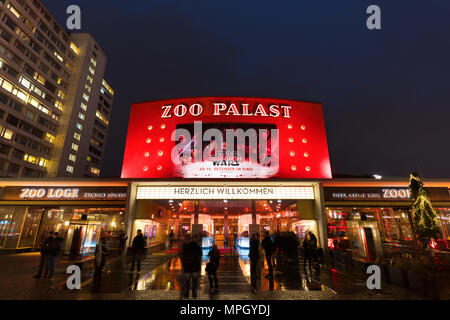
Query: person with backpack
211,269
138,250
269,249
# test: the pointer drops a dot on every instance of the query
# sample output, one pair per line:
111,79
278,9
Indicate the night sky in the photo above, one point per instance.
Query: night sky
385,93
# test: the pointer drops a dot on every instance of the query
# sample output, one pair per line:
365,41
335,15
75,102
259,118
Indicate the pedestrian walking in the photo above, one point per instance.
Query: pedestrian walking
171,238
122,240
43,250
191,262
101,251
211,269
254,258
307,251
53,248
269,249
138,248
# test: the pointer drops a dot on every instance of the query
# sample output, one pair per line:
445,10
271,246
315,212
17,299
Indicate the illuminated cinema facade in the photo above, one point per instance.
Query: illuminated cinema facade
227,167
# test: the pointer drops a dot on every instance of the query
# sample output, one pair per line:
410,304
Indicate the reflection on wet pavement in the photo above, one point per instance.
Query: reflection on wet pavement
233,274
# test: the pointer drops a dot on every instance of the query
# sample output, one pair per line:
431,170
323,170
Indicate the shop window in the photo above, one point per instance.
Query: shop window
396,224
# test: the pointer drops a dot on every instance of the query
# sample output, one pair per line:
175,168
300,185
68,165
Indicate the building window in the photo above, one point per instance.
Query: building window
83,106
72,157
77,136
75,146
49,138
69,168
81,116
85,97
95,171
79,126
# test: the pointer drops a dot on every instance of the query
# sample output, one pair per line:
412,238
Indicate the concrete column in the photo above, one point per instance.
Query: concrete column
196,211
225,228
319,211
130,211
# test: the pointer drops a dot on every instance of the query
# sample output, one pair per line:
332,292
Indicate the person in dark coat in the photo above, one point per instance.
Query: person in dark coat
171,238
307,251
43,249
138,247
269,249
122,240
211,269
191,257
53,247
101,251
254,258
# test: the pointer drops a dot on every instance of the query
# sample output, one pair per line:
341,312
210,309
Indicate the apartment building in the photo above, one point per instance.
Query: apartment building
54,103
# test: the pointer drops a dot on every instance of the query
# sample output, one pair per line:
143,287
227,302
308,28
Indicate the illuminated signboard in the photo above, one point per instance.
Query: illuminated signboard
380,194
64,193
214,192
226,137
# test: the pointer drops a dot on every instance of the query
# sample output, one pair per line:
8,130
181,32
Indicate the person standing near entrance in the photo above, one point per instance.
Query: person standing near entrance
122,240
44,259
191,263
101,251
211,269
52,248
254,258
307,251
171,238
138,247
269,249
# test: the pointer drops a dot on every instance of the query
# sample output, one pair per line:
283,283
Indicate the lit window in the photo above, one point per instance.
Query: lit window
59,105
91,70
81,116
77,136
101,117
85,97
49,138
88,158
25,82
58,56
94,170
69,168
89,78
88,88
79,126
7,134
39,78
13,10
7,86
74,47
106,85
93,62
75,146
43,162
72,157
60,94
83,106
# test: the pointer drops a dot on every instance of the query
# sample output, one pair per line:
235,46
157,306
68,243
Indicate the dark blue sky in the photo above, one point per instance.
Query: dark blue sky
386,94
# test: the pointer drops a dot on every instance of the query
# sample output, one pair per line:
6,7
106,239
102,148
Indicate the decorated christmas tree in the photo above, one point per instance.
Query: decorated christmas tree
425,218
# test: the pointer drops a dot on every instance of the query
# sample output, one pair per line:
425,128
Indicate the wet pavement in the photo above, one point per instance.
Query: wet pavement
159,278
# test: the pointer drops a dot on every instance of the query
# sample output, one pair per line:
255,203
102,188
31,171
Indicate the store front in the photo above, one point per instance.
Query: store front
225,168
225,215
30,209
371,220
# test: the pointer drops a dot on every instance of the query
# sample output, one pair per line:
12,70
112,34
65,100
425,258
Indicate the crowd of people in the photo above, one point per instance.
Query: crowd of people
279,249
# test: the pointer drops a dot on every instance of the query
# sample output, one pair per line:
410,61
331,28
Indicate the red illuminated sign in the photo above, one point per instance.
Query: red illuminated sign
226,137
